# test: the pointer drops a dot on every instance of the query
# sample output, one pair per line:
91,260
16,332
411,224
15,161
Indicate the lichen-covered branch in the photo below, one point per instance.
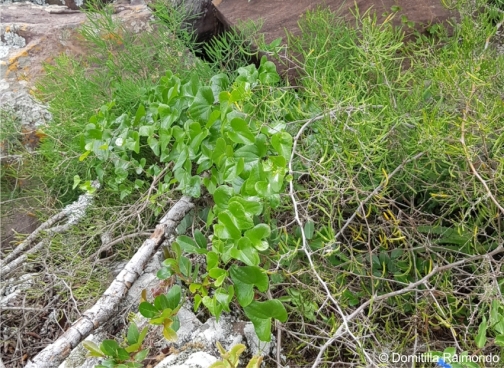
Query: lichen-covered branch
106,306
73,212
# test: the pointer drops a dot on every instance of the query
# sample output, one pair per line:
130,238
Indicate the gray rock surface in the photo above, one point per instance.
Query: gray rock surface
188,359
25,108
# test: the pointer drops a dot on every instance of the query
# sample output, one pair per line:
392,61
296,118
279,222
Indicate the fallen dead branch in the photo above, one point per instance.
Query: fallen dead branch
10,267
105,307
73,213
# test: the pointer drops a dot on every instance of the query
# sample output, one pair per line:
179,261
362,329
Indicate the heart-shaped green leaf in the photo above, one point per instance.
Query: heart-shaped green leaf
227,220
240,132
282,143
267,72
268,309
257,234
245,252
242,218
244,279
261,313
201,107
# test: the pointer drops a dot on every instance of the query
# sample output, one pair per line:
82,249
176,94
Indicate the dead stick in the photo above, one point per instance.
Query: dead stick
106,306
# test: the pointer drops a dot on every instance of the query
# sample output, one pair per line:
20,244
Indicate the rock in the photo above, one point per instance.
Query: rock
25,108
281,15
188,359
32,35
256,346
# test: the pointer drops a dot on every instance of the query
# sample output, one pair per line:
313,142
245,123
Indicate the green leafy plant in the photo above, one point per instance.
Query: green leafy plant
127,354
163,311
493,326
231,358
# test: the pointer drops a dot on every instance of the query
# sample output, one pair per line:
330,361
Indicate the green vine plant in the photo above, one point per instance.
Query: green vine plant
207,137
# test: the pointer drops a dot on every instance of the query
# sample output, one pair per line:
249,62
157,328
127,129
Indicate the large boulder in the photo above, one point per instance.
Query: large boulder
281,15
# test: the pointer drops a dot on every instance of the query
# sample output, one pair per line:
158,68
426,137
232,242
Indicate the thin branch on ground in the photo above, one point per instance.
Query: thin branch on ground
74,212
411,287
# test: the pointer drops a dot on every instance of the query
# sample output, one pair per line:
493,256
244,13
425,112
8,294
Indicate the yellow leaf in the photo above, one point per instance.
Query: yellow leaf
169,334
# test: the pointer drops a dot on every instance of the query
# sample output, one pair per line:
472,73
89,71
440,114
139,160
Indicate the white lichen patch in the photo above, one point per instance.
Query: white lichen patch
11,39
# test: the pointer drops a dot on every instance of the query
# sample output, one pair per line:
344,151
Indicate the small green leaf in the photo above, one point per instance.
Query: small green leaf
257,234
161,302
242,219
164,273
122,354
282,143
222,195
262,327
174,296
232,230
141,355
251,205
245,252
84,156
142,335
185,266
213,306
499,340
154,145
250,275
260,313
197,302
147,310
245,278
233,168
219,152
481,336
187,244
133,334
76,182
309,229
93,348
219,83
212,259
200,239
139,114
146,130
109,348
267,72
268,309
